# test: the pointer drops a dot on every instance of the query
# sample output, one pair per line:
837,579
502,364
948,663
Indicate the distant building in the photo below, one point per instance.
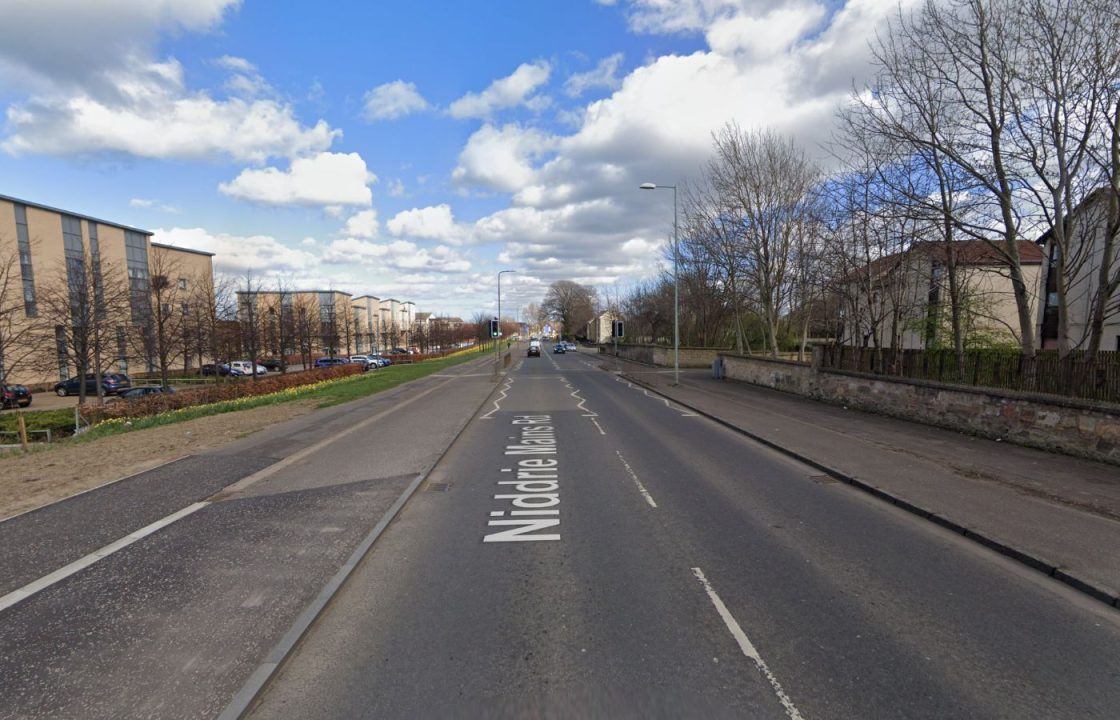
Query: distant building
311,323
599,327
367,323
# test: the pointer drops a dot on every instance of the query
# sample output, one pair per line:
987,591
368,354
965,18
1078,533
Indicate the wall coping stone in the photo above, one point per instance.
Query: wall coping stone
766,358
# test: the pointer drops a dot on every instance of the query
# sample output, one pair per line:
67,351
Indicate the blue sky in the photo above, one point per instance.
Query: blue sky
406,149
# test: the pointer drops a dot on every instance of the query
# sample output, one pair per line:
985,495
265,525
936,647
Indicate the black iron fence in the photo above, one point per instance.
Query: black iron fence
1076,375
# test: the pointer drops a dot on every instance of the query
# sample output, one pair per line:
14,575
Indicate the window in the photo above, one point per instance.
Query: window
182,283
75,254
30,306
63,356
139,281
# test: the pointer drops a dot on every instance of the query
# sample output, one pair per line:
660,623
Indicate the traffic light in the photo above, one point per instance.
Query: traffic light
495,331
616,328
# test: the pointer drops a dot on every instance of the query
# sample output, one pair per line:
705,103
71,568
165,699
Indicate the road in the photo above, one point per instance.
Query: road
577,548
692,573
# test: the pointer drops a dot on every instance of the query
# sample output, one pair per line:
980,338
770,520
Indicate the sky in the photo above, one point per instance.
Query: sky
409,149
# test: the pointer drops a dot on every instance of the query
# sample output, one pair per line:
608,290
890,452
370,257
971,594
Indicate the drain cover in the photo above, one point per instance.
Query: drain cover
438,487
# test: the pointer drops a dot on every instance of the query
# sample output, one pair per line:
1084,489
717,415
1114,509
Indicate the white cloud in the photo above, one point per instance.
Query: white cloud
603,75
396,255
428,223
87,81
153,205
327,179
576,211
394,100
236,254
501,158
362,224
511,91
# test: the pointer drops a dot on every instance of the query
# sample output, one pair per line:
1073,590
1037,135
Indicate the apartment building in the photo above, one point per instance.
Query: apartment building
77,291
1093,264
391,330
311,323
902,300
367,323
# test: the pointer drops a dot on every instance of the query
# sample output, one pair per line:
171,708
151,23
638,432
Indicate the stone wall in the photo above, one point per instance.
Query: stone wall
691,357
1066,425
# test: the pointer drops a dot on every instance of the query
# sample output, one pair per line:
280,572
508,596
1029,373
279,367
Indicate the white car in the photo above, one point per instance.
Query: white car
366,361
247,368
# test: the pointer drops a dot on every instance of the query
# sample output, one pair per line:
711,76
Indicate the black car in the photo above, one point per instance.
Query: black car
111,383
271,364
559,349
534,350
140,392
14,396
222,369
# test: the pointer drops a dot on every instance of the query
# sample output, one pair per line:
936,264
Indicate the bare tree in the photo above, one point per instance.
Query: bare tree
18,317
765,180
570,303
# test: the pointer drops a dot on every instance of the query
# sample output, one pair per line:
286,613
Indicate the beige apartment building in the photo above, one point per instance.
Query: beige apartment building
902,300
290,323
72,286
1084,273
367,323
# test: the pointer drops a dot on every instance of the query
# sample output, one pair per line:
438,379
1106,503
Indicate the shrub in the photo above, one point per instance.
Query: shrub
219,392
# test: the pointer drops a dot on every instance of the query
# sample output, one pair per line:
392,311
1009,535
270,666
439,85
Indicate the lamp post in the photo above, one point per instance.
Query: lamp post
676,283
498,340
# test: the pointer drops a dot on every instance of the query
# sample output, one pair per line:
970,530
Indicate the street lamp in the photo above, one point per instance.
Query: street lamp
676,283
498,340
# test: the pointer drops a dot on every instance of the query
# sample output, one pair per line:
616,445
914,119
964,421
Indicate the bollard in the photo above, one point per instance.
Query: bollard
23,432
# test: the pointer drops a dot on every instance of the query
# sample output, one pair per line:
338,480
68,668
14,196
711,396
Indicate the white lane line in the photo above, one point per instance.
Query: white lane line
598,426
66,571
634,475
747,646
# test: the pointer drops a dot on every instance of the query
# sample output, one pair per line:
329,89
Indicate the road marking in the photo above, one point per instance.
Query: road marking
747,646
641,488
536,486
598,426
66,571
497,402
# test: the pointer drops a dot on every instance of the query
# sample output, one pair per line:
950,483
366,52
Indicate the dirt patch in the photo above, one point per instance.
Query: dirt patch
32,480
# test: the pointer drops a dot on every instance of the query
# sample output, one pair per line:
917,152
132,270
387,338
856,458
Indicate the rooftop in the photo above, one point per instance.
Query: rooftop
48,208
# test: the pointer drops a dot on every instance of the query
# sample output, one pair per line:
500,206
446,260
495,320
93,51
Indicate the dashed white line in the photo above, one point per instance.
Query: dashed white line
598,426
66,571
747,646
634,475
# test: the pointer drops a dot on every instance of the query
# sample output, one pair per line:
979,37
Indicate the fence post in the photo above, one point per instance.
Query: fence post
23,432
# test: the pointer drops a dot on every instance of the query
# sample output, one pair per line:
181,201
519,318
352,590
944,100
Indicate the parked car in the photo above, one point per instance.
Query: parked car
219,369
559,349
398,351
139,392
111,383
534,348
14,396
571,346
247,368
330,361
271,364
368,362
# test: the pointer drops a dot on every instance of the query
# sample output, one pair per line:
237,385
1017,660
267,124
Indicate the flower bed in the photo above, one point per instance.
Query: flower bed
157,403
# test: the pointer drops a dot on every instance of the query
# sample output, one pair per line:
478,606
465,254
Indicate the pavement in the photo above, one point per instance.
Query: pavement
173,623
666,566
1059,514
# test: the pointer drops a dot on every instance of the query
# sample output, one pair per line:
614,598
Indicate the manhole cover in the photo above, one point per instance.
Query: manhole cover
438,487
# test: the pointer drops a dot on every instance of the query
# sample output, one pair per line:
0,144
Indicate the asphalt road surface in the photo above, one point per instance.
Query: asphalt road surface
577,548
691,573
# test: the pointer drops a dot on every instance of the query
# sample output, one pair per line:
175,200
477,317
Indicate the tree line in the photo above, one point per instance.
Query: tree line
986,123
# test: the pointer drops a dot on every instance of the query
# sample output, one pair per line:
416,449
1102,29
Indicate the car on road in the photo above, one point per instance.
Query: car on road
331,362
534,348
271,364
571,346
111,384
222,369
14,396
559,349
248,368
139,392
